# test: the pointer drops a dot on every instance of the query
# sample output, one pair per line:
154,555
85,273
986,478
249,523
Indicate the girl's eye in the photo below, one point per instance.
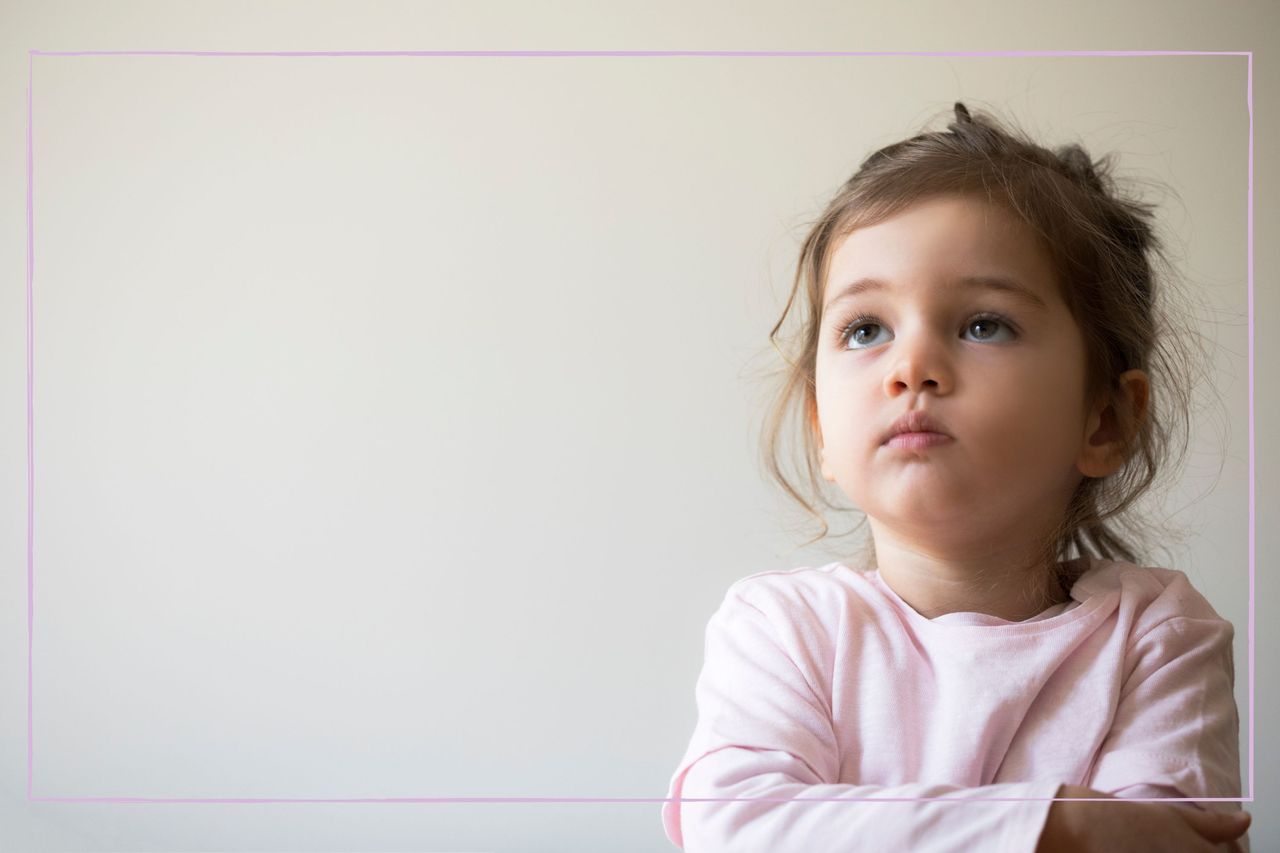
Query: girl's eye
853,330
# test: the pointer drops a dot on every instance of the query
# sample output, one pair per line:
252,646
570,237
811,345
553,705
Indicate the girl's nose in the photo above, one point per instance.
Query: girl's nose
918,368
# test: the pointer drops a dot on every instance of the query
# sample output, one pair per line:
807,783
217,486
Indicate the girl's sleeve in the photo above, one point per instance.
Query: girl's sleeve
1176,731
764,730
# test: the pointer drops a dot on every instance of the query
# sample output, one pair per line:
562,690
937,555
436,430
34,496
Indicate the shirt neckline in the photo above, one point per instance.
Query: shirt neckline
1085,598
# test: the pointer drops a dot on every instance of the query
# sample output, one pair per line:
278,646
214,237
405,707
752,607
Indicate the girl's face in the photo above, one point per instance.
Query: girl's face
1003,374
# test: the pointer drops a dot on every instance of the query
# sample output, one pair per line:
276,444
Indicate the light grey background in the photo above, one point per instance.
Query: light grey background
396,417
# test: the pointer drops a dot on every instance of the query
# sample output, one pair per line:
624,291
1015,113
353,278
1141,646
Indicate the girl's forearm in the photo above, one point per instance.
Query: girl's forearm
1059,835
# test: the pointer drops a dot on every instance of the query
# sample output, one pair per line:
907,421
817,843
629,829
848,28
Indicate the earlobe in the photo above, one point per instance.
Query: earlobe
1096,450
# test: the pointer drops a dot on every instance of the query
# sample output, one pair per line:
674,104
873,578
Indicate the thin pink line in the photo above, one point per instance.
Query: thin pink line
31,502
644,53
1252,762
624,800
31,373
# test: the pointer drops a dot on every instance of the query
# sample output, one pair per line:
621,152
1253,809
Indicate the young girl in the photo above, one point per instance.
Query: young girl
976,376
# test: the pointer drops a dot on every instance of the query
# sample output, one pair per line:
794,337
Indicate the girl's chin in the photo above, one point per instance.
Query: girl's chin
925,518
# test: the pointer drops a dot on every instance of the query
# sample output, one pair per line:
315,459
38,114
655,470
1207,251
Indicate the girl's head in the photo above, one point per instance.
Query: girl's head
1047,385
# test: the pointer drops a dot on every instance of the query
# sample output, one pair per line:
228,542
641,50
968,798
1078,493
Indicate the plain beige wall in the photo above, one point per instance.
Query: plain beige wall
394,417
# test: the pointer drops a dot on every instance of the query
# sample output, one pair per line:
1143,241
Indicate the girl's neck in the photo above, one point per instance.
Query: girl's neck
1049,590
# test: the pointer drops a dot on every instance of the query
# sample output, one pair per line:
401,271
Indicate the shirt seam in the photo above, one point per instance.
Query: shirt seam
1168,623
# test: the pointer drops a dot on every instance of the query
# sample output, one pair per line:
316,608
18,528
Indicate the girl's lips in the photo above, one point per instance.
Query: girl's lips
917,440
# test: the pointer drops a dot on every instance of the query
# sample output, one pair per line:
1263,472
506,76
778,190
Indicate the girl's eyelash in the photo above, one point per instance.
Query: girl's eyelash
846,328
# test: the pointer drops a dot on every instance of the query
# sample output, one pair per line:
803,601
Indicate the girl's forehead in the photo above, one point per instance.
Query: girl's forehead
942,238
964,218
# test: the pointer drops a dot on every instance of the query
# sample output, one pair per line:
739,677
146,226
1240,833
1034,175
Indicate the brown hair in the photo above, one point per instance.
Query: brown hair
1104,250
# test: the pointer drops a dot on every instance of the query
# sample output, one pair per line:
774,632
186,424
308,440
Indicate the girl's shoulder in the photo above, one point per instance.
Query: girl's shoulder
816,591
797,581
1148,595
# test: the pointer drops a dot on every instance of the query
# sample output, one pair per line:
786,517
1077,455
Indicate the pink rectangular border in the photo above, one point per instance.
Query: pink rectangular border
1010,53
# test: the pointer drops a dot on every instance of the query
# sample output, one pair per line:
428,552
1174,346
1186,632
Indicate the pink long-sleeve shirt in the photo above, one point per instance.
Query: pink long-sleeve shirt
824,683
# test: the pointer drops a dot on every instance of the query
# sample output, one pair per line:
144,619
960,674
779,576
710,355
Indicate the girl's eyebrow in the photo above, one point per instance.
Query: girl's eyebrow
985,282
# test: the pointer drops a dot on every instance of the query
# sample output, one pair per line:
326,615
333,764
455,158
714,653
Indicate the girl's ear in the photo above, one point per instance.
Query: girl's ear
1112,424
